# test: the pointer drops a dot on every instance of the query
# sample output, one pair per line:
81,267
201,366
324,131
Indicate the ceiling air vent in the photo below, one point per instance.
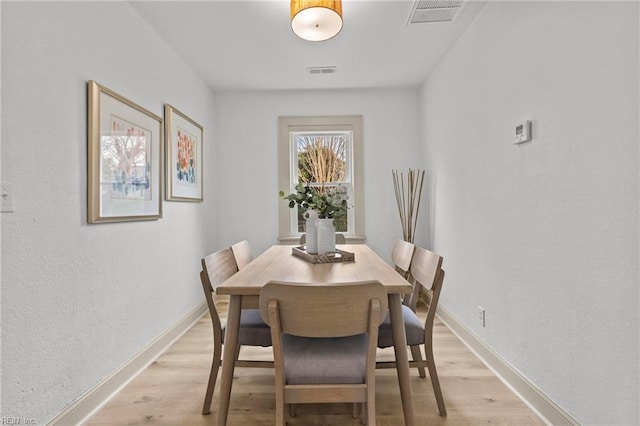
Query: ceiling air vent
321,70
424,11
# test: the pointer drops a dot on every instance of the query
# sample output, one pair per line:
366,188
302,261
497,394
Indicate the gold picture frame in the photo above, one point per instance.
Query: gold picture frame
124,176
183,156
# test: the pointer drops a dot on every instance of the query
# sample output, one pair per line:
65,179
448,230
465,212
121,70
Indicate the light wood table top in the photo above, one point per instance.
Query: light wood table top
279,264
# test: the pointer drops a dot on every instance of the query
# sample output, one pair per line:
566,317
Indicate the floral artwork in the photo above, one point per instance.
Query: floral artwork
126,152
183,152
186,164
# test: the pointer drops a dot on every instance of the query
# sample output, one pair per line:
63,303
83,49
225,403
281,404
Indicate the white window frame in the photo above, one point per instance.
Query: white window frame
287,169
347,182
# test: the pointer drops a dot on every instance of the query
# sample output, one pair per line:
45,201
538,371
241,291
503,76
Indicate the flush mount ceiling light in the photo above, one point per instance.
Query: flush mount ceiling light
316,20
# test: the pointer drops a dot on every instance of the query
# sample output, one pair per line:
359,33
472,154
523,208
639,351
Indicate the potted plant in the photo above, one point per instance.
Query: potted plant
321,205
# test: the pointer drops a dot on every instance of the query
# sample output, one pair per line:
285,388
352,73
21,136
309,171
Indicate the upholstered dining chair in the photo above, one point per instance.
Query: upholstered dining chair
242,253
340,239
324,342
216,268
427,274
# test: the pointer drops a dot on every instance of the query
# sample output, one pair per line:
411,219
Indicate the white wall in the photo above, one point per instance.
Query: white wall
247,134
0,220
544,235
79,300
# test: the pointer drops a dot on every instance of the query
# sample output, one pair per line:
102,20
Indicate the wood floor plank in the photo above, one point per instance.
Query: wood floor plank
171,390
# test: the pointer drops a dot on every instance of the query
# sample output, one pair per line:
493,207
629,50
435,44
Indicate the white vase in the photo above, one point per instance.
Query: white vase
311,229
326,236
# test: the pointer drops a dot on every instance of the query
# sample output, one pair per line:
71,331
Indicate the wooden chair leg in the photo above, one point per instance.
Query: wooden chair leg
370,406
280,415
213,375
434,380
359,407
292,410
280,409
417,356
370,414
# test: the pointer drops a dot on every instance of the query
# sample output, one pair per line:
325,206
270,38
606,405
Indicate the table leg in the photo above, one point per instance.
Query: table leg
402,358
229,357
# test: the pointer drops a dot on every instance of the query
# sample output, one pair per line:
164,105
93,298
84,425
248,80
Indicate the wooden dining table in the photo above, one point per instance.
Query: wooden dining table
279,264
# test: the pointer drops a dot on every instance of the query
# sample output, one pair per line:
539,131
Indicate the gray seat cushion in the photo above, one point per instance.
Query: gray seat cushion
253,331
413,327
324,360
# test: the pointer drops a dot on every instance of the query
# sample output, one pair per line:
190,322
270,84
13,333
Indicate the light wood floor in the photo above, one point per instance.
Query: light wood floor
171,391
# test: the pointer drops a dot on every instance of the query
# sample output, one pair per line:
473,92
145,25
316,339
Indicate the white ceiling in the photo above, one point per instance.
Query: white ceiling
249,45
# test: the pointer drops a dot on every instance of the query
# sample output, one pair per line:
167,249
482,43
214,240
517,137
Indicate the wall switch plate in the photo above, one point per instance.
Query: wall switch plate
6,197
482,316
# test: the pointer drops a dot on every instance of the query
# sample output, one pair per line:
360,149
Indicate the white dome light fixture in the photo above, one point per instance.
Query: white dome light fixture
316,20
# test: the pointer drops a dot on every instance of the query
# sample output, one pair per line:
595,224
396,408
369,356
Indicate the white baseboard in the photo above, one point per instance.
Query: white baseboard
92,400
541,404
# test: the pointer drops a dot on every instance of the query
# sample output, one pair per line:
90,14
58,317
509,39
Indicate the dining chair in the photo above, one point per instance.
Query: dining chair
216,268
401,255
324,342
340,239
242,253
427,274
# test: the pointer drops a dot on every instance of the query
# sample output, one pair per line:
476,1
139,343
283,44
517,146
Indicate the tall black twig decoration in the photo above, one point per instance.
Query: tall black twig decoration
409,200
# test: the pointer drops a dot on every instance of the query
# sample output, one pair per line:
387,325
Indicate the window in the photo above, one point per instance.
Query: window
322,160
322,152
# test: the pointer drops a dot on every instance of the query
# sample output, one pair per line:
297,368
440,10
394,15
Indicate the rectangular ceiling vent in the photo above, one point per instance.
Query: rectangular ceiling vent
425,11
321,70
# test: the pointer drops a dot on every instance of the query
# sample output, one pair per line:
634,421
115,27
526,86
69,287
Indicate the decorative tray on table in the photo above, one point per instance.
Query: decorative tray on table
332,257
